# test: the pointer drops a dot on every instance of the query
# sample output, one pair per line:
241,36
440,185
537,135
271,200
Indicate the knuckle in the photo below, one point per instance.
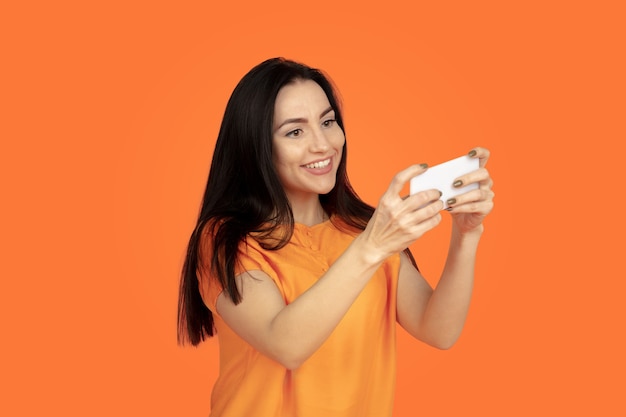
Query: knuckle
398,179
421,198
385,203
428,211
434,208
435,220
482,174
394,216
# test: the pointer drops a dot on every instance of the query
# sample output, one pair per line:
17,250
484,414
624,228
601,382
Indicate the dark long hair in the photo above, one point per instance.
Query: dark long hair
243,194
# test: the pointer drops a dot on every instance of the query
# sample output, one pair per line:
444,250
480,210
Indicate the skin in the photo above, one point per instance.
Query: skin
291,333
305,132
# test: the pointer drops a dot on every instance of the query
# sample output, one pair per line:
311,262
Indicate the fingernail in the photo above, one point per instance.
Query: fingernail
440,193
449,209
424,166
472,153
457,183
451,201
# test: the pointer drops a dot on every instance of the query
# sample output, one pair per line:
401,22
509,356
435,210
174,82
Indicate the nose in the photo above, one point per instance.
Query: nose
319,141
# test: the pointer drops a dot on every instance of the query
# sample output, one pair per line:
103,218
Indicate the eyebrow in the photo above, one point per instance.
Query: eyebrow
303,120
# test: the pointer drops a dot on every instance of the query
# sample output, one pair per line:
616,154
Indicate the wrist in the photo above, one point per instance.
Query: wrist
470,236
368,253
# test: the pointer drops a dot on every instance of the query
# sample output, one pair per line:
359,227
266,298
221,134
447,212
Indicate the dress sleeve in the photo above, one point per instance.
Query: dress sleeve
249,258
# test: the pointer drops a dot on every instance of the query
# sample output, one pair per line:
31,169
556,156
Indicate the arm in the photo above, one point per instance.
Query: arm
291,333
437,316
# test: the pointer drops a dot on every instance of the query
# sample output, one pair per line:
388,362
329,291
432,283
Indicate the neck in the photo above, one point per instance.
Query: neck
308,212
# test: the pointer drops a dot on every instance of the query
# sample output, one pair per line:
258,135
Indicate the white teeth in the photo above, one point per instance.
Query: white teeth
321,164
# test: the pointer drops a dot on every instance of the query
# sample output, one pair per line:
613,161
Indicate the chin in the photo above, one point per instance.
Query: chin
327,190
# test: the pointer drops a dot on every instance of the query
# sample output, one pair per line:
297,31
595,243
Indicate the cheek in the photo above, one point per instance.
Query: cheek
277,155
340,140
282,157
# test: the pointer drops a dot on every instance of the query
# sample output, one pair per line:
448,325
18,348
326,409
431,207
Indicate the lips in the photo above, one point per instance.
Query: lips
318,165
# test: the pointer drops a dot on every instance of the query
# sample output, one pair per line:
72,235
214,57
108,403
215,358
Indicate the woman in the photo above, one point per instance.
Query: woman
302,280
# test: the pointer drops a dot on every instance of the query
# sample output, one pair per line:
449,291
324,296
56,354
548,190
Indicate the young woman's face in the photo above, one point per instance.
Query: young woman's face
307,140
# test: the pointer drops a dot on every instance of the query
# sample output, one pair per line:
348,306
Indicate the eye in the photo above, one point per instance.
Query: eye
328,123
294,133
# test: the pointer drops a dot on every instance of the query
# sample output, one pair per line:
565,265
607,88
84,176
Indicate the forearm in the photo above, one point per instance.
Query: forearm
293,332
447,308
302,326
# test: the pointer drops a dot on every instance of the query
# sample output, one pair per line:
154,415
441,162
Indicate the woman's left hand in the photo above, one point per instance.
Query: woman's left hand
468,210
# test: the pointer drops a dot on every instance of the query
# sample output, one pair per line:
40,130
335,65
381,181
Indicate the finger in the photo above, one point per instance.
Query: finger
427,215
475,207
472,196
421,199
481,153
428,211
402,177
427,224
481,175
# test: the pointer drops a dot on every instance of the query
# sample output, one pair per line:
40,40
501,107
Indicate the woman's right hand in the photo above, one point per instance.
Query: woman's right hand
397,222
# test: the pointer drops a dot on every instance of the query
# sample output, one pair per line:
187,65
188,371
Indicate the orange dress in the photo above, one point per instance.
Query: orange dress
352,374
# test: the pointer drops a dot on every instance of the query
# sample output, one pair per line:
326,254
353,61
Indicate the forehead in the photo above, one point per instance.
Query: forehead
299,98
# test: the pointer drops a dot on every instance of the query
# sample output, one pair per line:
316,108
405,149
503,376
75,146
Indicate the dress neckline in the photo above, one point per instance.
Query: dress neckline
304,227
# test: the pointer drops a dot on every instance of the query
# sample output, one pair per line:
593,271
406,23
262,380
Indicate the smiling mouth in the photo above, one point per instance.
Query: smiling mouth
320,164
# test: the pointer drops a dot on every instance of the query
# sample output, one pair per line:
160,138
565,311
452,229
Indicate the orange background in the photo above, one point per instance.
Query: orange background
109,116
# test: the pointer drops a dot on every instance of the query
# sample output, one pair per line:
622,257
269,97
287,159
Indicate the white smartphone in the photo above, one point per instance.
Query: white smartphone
440,177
